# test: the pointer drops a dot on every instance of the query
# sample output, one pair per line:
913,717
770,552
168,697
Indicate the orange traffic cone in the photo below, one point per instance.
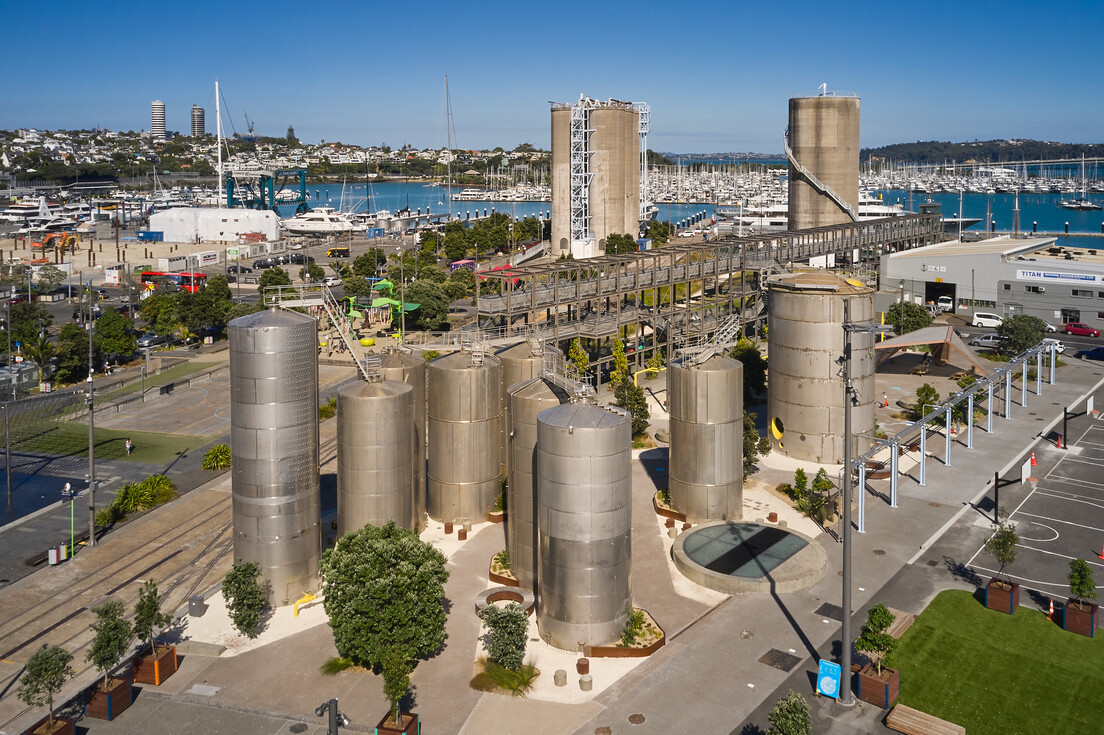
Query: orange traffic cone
1050,615
1102,554
1059,441
1033,462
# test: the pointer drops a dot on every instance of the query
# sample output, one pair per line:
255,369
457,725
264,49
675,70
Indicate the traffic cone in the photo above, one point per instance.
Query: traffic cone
1050,615
1102,554
1059,441
1033,462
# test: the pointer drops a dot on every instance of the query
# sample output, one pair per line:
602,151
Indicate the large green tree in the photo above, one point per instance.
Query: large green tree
755,368
112,337
617,244
273,277
907,317
630,397
1021,332
28,319
384,591
432,312
72,354
754,445
368,264
44,674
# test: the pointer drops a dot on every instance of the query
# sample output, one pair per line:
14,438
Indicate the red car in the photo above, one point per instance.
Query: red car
1082,329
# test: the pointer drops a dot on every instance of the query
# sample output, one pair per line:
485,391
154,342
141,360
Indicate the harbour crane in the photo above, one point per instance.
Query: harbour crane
249,124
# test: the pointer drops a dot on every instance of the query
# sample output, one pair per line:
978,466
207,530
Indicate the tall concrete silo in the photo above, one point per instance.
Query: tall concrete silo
520,363
526,400
805,402
584,524
464,416
274,439
823,137
375,439
411,369
706,465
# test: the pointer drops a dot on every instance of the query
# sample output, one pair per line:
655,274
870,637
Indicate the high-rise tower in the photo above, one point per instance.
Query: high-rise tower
199,128
157,119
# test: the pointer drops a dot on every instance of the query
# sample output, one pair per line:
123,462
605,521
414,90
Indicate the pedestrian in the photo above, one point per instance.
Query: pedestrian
66,491
885,401
129,446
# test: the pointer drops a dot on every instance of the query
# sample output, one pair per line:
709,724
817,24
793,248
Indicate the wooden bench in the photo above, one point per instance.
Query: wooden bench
914,722
902,621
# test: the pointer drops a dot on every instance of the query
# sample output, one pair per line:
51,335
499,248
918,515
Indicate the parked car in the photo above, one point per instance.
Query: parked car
331,281
986,319
263,263
1093,353
152,339
1058,346
1081,328
1050,327
987,341
238,269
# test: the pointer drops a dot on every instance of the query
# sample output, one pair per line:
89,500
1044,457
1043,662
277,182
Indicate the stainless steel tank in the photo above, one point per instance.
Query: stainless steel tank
527,399
520,363
464,417
411,369
805,403
375,439
274,439
584,524
706,464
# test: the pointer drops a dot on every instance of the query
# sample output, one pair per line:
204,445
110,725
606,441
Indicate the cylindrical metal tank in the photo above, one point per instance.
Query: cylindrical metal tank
584,524
706,464
464,416
375,439
411,369
526,401
520,363
824,138
274,439
805,401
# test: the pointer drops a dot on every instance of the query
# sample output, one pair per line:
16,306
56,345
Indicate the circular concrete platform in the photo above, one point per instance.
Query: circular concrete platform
743,558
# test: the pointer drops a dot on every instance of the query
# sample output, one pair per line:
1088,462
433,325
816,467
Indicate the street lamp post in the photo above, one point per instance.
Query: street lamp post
91,431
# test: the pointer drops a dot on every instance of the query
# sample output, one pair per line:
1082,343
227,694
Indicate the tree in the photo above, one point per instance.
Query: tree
49,277
432,312
907,317
754,445
755,368
1002,544
147,614
246,598
620,370
39,351
72,354
356,286
242,309
927,398
158,308
507,632
384,589
874,639
311,272
112,337
396,669
368,264
1021,332
790,716
28,319
290,137
217,457
1081,581
578,357
273,277
112,639
45,673
617,244
630,397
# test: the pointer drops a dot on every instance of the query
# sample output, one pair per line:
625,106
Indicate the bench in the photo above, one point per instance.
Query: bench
902,621
914,722
166,389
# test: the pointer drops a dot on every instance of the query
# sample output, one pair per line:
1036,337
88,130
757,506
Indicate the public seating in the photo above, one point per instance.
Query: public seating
914,722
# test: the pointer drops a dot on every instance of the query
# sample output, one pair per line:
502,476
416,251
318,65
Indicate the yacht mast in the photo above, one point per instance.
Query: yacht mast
218,141
448,139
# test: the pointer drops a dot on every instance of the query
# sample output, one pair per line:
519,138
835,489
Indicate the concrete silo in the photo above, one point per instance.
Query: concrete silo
823,138
375,439
411,369
274,439
526,401
464,416
520,363
584,524
706,465
805,403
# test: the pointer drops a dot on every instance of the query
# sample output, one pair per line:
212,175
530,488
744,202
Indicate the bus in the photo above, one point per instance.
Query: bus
458,264
183,281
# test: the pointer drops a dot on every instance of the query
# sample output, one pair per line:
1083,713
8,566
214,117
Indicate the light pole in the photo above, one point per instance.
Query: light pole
336,718
91,431
901,309
849,398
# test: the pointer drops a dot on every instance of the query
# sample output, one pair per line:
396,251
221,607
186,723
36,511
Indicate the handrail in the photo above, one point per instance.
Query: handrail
817,183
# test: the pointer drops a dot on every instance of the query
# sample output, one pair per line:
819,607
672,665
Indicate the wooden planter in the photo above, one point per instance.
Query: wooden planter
1079,616
155,668
410,725
496,516
1003,596
62,726
108,704
881,691
666,512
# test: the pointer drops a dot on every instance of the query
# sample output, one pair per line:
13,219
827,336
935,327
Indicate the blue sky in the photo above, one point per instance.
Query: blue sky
717,75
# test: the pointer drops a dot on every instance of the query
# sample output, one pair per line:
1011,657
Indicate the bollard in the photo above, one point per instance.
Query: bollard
586,682
467,526
560,677
1067,228
462,534
448,527
582,666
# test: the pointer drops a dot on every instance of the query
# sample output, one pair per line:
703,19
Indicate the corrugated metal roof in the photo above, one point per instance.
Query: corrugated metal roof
995,246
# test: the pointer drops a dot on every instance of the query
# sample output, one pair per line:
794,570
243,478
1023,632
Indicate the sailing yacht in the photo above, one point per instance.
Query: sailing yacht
1082,203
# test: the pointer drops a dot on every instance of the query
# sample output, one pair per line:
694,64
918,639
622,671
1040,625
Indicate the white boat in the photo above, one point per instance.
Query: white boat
319,221
773,215
470,195
26,210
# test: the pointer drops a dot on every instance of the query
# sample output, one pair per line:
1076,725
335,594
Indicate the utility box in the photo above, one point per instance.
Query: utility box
196,606
151,236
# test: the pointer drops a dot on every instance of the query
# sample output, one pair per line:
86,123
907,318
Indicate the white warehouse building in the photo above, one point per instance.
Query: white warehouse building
204,224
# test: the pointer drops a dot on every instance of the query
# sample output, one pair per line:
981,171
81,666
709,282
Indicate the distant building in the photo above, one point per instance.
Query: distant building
597,166
202,224
157,119
199,128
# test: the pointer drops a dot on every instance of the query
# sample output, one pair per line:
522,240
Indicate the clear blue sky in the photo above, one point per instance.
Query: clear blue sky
716,74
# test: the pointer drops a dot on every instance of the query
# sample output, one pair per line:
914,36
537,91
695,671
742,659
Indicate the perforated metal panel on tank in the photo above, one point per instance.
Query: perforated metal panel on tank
584,524
706,465
464,415
411,369
274,439
375,440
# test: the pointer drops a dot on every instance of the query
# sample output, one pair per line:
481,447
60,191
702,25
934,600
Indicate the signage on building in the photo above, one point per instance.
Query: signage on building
1025,274
933,268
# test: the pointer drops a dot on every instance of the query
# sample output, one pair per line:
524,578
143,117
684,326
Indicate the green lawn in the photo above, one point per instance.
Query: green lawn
997,673
165,376
71,438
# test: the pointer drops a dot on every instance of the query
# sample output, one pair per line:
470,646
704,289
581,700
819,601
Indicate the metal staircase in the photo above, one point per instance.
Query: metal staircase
305,295
817,183
726,335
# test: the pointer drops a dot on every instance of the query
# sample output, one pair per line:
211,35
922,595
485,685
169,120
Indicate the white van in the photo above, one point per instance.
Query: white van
986,319
945,303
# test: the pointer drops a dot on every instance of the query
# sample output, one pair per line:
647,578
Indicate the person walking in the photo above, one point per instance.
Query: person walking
129,446
66,491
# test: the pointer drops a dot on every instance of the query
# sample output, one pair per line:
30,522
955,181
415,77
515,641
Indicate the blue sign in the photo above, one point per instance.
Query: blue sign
828,679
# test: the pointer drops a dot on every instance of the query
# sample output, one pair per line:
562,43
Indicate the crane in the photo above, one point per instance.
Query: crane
249,124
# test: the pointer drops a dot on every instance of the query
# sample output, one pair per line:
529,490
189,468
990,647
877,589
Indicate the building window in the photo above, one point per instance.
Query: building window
1071,315
1034,289
1008,287
1081,293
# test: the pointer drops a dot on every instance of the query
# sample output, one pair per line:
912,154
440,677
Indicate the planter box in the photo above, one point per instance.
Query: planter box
666,512
410,725
496,516
155,668
107,705
880,691
998,597
1079,619
62,726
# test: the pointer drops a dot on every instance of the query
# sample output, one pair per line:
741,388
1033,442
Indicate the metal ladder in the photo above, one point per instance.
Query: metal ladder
817,183
317,294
